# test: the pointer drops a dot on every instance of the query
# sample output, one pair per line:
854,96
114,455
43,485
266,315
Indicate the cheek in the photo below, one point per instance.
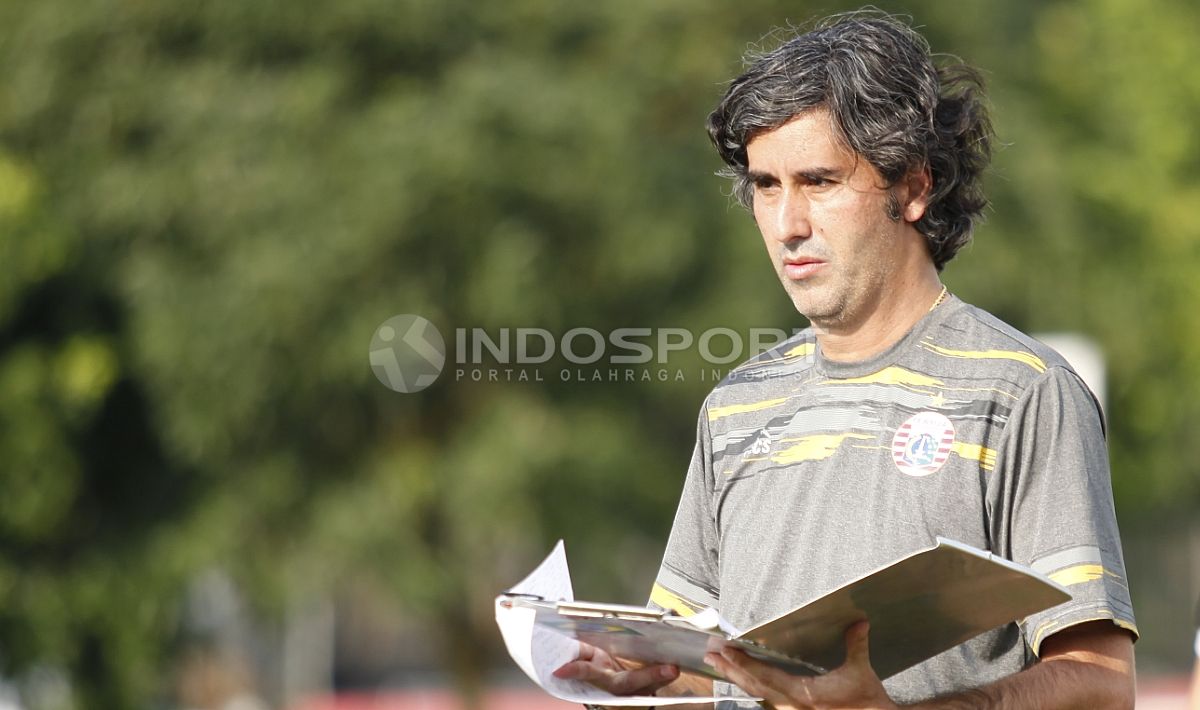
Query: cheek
847,216
761,213
830,222
832,211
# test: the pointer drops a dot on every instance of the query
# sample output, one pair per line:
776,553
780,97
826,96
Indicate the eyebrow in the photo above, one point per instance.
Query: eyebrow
808,174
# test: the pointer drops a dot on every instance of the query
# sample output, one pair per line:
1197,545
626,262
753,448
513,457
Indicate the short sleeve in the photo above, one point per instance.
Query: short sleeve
1050,505
688,578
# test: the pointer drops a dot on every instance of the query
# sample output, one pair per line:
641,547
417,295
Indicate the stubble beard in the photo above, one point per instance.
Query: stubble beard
837,305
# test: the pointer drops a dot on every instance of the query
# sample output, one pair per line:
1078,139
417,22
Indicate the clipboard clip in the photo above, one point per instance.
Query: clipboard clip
507,603
591,610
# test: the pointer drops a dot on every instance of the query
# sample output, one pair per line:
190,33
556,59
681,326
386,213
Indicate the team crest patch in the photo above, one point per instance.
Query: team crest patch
922,444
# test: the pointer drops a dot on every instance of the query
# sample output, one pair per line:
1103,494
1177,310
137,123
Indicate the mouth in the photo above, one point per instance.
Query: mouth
800,268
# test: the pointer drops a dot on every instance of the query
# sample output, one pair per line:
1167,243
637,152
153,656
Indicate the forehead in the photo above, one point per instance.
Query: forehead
810,136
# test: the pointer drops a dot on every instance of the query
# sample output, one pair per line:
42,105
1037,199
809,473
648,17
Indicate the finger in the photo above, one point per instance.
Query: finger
578,670
748,674
858,647
595,656
664,676
632,682
732,673
765,673
588,652
642,681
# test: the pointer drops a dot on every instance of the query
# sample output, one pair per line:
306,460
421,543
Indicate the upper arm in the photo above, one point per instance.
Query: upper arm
1094,641
1051,506
1105,648
688,580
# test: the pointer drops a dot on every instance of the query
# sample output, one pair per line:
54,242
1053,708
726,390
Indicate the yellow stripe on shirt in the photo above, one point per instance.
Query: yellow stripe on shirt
1080,574
1016,355
717,412
974,452
800,350
893,376
667,599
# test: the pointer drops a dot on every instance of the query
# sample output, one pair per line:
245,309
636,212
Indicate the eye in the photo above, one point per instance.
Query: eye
765,184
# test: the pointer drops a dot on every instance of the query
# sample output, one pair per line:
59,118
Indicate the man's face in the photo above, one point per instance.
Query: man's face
822,211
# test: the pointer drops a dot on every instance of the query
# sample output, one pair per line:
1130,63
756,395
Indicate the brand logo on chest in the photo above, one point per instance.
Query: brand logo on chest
761,445
923,443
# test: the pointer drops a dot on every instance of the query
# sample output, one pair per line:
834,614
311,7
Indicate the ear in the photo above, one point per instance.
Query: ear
917,186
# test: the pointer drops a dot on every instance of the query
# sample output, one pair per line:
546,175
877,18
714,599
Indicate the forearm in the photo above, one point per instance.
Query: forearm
1058,683
687,684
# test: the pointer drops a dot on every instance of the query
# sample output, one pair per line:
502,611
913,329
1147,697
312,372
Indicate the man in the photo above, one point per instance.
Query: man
902,414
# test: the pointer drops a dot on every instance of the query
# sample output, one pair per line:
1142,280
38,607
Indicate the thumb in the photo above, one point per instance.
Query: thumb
858,647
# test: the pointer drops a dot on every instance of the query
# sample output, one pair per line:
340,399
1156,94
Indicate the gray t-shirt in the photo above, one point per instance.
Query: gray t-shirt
808,473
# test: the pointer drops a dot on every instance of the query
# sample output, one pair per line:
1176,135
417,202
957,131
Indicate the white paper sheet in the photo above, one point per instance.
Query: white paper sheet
539,651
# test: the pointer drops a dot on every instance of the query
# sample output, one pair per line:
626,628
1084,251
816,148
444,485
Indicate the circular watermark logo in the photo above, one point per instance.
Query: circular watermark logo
407,353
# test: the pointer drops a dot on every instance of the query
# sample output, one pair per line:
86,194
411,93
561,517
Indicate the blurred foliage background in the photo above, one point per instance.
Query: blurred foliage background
207,208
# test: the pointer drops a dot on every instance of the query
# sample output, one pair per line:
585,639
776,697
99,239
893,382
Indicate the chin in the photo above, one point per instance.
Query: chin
812,300
816,311
808,310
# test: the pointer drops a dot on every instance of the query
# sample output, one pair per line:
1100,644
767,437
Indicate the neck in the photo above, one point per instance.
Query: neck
886,321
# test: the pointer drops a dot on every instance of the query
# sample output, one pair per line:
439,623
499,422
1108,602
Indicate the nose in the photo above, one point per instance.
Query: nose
789,217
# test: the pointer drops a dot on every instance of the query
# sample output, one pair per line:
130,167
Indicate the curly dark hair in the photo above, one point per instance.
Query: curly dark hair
890,103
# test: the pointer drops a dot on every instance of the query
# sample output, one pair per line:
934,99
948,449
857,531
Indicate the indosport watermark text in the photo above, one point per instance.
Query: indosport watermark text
413,354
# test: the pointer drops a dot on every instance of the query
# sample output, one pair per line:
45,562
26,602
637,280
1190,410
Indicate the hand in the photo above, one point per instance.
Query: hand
854,685
595,666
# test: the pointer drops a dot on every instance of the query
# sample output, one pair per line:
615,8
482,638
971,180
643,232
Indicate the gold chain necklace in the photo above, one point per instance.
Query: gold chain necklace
941,297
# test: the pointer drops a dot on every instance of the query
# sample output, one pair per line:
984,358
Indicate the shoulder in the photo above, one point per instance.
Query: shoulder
983,347
971,339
